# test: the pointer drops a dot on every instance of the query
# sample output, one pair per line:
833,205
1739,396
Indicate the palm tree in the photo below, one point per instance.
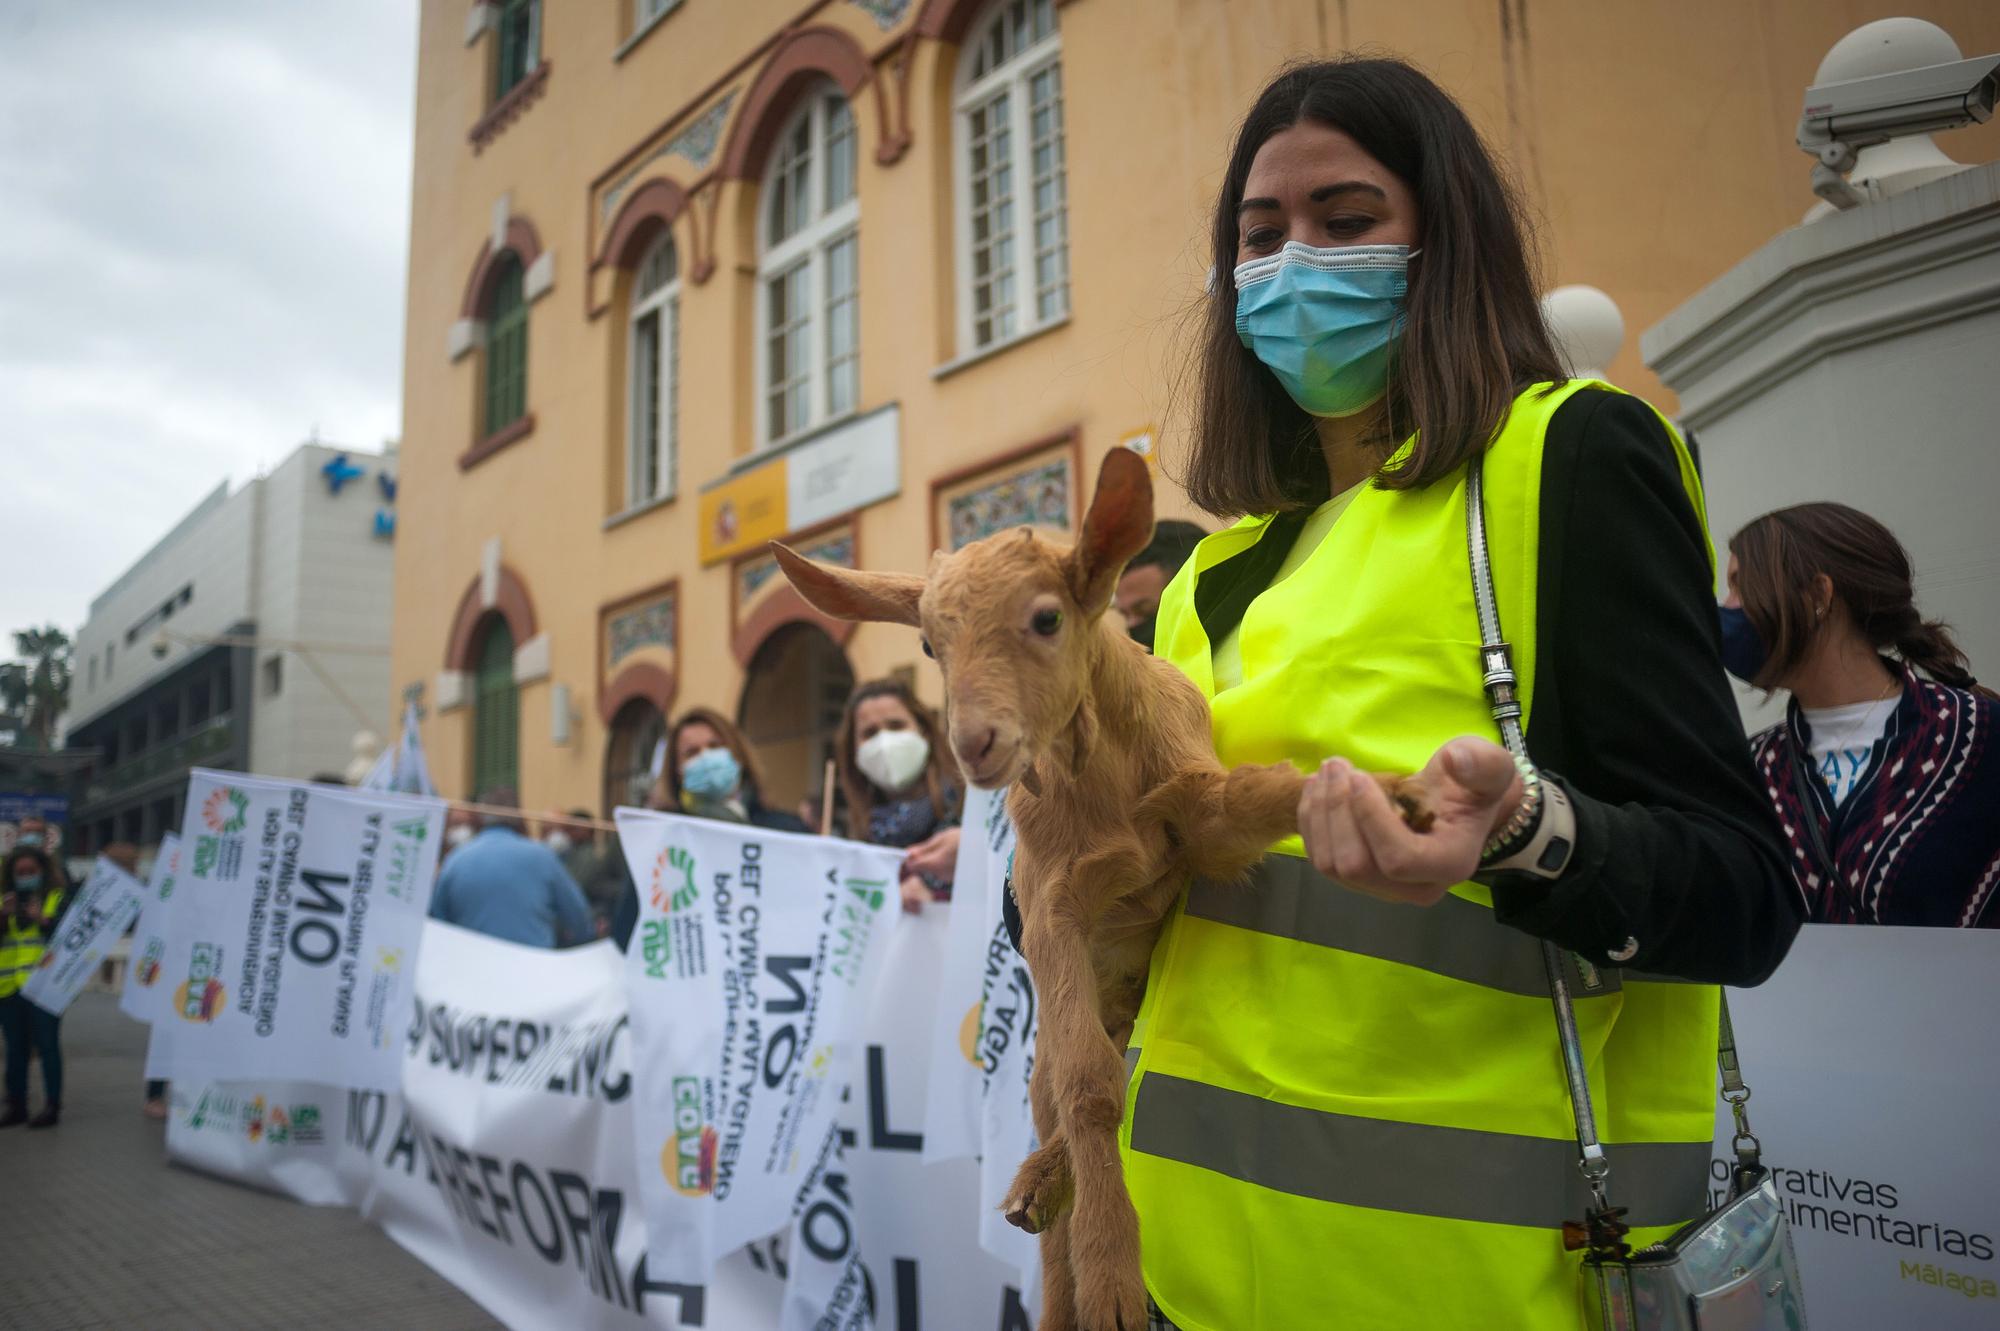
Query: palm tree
35,687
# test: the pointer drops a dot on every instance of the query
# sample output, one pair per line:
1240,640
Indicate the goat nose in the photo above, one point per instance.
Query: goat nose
973,745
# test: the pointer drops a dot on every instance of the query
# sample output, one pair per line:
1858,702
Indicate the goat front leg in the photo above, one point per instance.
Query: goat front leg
1038,1200
1087,1086
1227,818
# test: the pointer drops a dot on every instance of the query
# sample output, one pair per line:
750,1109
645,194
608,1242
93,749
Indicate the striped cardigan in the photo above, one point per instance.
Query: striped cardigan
1918,841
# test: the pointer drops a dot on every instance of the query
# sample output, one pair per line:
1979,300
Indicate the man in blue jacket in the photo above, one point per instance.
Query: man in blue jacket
502,884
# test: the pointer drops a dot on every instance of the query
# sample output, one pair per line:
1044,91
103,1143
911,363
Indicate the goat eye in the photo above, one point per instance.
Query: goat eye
926,642
1046,622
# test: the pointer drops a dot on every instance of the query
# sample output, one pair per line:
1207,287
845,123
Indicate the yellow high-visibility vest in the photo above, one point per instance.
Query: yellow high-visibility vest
1345,1113
22,945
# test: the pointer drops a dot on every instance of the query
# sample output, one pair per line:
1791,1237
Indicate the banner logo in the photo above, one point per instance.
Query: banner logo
225,810
689,1159
404,853
148,969
656,943
200,997
669,894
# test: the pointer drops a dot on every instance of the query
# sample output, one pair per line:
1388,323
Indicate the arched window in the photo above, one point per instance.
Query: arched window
506,361
1013,198
638,733
794,694
652,433
496,712
808,271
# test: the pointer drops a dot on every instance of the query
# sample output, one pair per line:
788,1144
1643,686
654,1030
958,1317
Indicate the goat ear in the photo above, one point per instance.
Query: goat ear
1119,524
846,593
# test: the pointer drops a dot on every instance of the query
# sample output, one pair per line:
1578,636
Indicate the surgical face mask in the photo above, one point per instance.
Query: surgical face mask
458,834
712,774
1325,321
893,759
1744,654
28,882
28,839
558,842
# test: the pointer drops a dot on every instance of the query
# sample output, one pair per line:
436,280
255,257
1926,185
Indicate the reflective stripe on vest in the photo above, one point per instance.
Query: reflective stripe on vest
1345,1112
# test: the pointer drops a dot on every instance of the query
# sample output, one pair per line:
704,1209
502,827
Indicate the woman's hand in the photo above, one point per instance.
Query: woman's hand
936,857
1354,835
915,895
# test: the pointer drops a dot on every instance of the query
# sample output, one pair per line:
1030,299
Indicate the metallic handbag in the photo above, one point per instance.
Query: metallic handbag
1731,1270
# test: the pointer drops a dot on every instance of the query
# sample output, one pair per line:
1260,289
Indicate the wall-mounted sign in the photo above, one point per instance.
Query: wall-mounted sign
847,468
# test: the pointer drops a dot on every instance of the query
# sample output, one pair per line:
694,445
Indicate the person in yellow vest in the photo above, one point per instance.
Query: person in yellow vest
1347,1106
30,906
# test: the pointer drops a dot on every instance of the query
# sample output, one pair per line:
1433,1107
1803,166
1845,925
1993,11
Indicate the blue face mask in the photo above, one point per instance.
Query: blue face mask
28,839
1325,321
713,774
1744,654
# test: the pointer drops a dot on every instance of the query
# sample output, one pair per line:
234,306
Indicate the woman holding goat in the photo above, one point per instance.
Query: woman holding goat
1347,1107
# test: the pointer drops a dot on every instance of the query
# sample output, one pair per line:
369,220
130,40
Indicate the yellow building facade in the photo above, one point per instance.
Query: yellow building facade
879,276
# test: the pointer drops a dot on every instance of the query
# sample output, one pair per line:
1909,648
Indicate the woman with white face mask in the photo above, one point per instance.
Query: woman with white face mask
900,786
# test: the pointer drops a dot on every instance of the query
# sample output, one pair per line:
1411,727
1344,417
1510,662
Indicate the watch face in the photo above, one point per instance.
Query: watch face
1554,856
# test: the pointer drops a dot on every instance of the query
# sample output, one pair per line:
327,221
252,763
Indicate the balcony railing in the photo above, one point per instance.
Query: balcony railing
205,741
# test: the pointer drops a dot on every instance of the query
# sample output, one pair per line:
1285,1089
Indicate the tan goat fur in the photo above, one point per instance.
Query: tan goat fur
1118,801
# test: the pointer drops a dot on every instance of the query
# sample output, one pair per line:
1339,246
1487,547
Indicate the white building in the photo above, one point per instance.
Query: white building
254,637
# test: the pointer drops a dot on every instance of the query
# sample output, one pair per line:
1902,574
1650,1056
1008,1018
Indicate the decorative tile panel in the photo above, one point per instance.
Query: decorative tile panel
697,141
1037,496
886,13
647,625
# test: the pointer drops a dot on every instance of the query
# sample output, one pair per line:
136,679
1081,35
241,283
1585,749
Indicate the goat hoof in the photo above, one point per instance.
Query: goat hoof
1023,1219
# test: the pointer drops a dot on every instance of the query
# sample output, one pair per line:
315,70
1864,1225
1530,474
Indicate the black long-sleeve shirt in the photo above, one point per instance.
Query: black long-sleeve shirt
1677,847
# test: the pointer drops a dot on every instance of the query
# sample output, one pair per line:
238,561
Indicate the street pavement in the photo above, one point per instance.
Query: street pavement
102,1232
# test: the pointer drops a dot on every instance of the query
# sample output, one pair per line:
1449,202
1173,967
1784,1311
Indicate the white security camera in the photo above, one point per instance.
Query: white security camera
1842,117
159,645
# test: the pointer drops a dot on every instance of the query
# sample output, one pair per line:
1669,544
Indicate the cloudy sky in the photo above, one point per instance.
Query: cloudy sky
204,212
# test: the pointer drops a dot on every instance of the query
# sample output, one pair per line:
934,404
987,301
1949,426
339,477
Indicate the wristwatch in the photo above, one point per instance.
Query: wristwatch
1541,836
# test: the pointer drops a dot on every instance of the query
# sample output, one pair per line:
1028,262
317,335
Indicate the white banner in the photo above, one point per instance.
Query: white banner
975,946
103,909
506,1164
285,1137
402,767
919,1223
297,914
749,951
143,998
1874,1065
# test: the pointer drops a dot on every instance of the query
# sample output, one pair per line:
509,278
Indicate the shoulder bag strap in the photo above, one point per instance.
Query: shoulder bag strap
1497,662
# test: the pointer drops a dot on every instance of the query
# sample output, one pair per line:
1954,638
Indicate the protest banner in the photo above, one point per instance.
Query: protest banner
143,997
750,949
953,1105
291,944
919,1224
506,1164
104,908
284,1137
1874,1066
402,767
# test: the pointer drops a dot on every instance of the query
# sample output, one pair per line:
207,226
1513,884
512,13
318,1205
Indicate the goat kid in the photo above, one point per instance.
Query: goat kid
1118,801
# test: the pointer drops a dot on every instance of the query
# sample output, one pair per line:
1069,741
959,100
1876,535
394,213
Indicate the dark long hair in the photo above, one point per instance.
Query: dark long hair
1780,558
861,793
1475,336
